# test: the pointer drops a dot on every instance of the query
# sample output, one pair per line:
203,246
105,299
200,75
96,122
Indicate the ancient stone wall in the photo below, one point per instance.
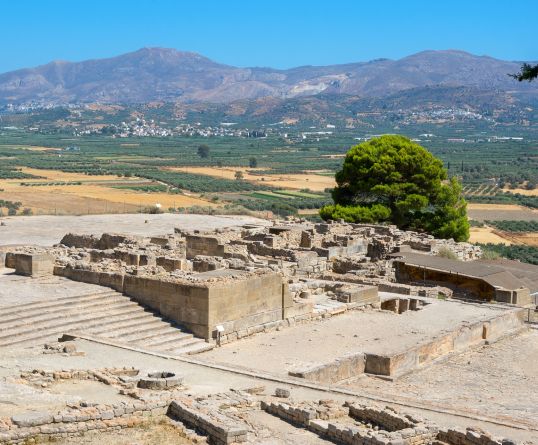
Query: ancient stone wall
203,245
183,303
222,430
343,368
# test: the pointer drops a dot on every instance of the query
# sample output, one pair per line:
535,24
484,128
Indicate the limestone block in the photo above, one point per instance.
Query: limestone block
282,393
403,305
32,419
35,265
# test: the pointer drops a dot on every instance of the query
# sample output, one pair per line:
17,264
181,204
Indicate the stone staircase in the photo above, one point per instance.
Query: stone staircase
108,315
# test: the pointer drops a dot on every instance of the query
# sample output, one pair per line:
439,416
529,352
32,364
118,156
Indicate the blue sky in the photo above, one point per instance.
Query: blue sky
274,33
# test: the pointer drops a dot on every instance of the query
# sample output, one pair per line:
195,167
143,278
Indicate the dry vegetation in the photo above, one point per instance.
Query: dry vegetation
86,194
311,181
486,235
533,192
482,212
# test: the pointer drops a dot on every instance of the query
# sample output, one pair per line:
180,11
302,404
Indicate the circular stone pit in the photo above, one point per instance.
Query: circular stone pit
159,380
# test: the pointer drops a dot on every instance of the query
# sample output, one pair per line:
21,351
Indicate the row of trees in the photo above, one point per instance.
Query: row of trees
527,254
515,226
204,151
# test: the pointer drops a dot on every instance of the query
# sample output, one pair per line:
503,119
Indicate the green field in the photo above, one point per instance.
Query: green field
484,162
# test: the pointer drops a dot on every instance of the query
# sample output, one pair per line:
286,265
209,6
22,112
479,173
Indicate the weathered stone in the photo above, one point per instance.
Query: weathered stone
32,419
282,393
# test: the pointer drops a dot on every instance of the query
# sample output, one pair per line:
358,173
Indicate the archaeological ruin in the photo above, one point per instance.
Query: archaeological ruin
311,307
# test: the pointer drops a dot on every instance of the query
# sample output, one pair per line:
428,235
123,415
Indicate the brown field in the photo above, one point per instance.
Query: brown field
526,192
487,235
496,212
291,181
32,147
530,239
308,211
95,195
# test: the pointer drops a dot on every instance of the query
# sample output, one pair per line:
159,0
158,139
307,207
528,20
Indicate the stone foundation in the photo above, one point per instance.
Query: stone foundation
221,430
398,364
343,368
355,424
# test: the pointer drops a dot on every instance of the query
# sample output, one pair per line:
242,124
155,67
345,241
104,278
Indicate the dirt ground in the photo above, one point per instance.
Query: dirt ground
292,181
498,380
30,229
504,373
373,331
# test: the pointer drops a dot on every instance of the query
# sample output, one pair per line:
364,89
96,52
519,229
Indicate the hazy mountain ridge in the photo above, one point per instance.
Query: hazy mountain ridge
159,74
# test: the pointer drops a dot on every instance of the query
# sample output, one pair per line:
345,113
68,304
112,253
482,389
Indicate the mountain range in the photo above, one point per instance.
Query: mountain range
161,74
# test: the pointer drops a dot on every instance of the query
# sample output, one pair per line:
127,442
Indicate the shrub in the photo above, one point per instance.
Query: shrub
445,252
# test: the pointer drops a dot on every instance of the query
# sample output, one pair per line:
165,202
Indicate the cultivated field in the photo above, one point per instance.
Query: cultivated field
533,192
31,148
486,235
529,239
312,181
493,212
57,192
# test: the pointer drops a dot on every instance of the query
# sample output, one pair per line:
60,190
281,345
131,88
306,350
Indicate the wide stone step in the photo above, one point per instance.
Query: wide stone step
194,348
173,347
126,325
160,341
62,312
64,299
137,313
31,308
147,332
69,323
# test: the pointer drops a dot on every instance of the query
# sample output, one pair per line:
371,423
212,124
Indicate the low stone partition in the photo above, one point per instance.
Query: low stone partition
76,419
354,424
388,418
40,427
106,241
471,436
220,429
398,364
384,285
30,264
113,280
343,368
357,294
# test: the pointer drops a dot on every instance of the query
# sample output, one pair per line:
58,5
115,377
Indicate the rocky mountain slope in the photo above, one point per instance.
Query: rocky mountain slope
159,74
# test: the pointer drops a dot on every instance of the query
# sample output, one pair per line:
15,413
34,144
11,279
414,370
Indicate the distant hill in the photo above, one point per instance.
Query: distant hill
159,74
